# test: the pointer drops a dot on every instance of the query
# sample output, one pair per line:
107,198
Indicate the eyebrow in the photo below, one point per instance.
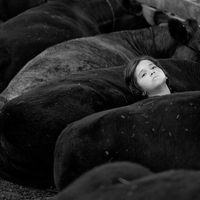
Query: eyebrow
151,64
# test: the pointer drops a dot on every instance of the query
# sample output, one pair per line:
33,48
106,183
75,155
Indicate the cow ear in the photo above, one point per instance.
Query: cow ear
177,31
191,26
182,31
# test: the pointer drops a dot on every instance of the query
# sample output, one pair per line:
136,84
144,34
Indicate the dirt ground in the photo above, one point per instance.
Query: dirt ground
11,191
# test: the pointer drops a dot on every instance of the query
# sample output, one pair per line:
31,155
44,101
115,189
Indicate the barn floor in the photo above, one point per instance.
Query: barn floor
11,191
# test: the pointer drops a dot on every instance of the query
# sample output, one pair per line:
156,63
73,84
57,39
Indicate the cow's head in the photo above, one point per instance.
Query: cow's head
187,33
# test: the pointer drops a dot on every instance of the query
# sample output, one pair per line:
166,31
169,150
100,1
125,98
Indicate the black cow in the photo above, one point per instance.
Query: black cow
31,123
161,133
27,156
128,181
103,51
25,36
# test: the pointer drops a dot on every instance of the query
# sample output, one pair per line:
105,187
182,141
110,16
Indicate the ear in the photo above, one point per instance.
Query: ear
182,31
191,26
177,30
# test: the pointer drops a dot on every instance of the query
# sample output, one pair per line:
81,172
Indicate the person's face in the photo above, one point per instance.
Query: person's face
149,77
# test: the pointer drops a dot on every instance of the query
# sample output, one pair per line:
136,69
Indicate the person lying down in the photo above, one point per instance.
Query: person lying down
145,76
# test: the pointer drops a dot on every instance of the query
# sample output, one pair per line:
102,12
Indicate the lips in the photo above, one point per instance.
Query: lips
155,77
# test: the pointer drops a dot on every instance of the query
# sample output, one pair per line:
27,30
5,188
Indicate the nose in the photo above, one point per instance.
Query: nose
151,73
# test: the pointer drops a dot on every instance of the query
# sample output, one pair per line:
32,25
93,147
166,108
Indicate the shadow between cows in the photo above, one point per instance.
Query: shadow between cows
25,36
103,51
128,181
31,123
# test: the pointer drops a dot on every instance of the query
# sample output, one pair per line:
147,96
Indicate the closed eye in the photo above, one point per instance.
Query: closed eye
143,74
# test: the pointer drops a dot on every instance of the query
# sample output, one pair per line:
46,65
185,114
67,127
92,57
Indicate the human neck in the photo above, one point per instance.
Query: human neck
162,90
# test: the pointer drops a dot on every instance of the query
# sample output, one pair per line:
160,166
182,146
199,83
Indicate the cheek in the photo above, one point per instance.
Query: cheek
161,73
139,84
144,83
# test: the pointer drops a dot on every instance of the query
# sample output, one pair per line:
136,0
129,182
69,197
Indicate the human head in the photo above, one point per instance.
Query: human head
131,75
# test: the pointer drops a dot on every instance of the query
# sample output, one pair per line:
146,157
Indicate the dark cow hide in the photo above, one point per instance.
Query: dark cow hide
38,117
28,34
31,123
160,133
128,181
11,8
104,177
102,51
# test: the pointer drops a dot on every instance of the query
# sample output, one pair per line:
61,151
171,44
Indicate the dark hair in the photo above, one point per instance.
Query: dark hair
129,73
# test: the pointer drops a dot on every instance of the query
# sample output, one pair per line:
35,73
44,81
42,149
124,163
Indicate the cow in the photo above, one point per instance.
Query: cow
103,51
61,101
26,35
160,133
128,181
31,123
103,177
